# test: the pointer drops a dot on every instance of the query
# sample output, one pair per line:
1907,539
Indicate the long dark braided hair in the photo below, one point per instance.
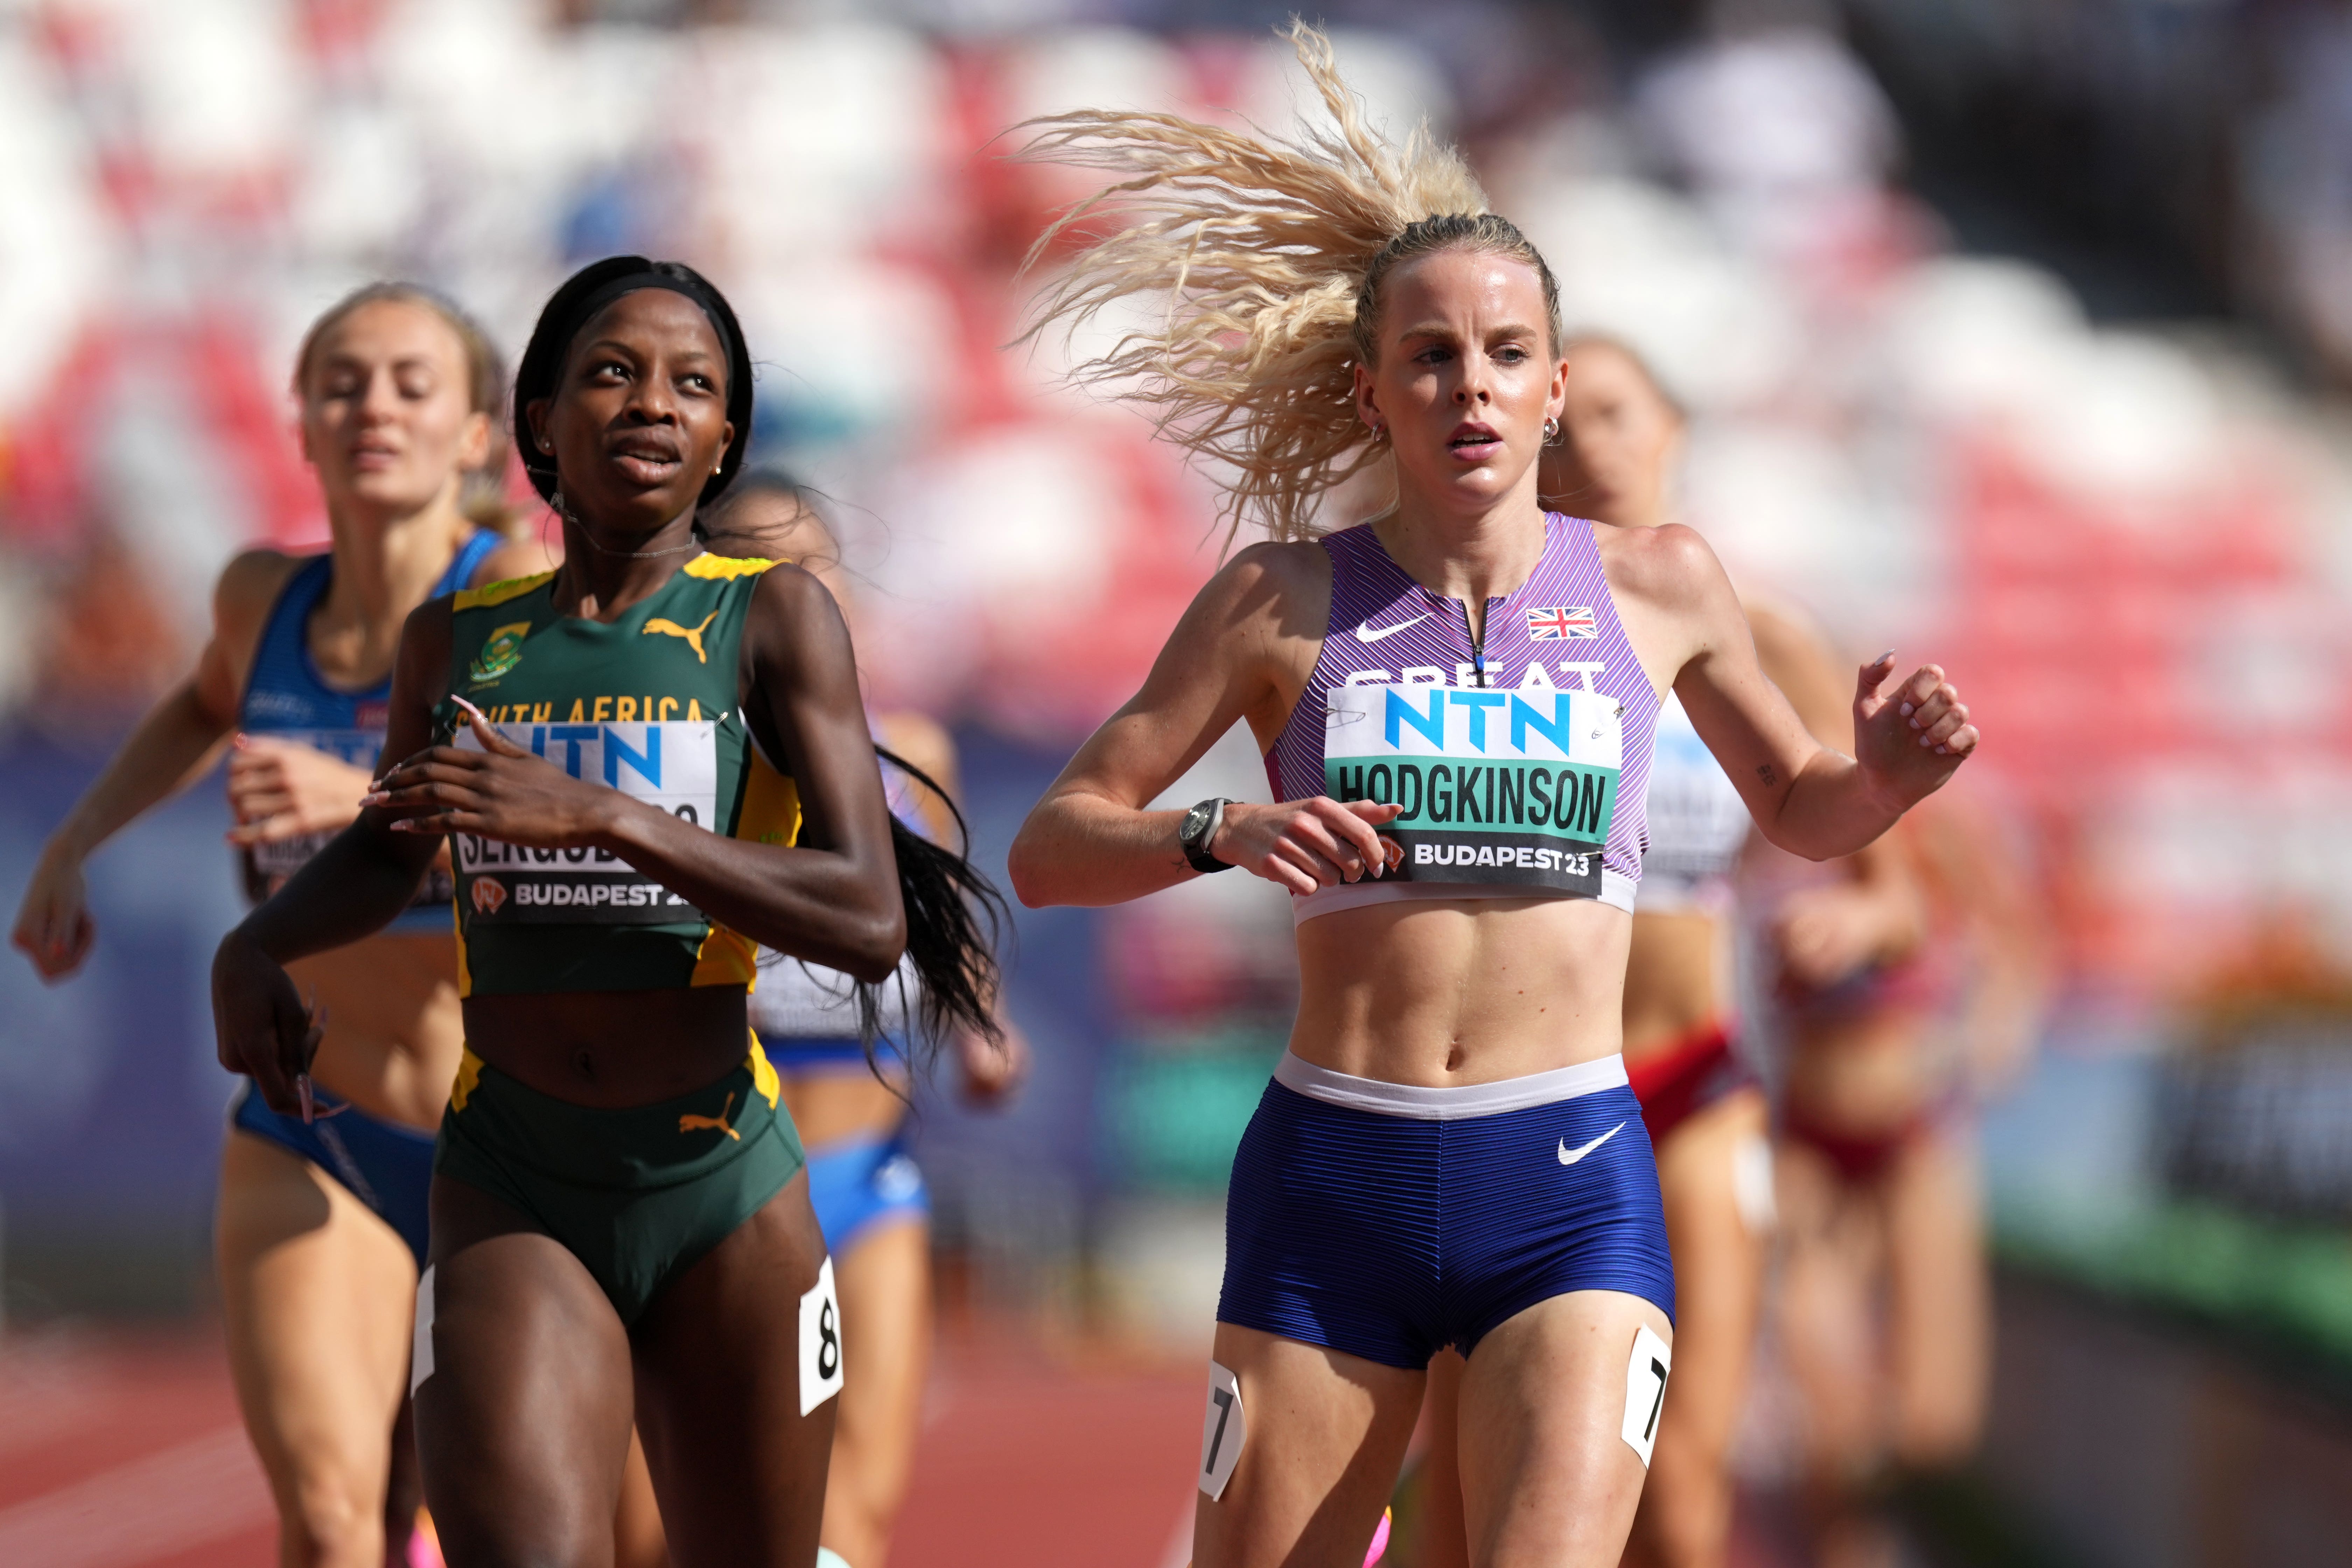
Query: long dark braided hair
954,914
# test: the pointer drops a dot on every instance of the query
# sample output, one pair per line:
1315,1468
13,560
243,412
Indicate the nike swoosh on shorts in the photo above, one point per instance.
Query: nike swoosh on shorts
1568,1156
1366,635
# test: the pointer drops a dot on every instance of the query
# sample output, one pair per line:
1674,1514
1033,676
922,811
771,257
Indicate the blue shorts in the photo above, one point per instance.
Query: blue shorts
385,1165
1389,1221
856,1184
806,1056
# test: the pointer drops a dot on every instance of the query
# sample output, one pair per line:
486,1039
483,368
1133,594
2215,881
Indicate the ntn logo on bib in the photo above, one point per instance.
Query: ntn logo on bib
672,763
1535,723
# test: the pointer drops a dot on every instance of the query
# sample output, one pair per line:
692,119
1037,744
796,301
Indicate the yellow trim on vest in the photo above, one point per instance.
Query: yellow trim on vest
770,814
726,958
465,972
772,805
469,1076
719,568
499,592
764,1075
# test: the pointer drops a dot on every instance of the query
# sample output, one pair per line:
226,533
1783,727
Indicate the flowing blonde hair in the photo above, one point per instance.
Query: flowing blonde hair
1269,255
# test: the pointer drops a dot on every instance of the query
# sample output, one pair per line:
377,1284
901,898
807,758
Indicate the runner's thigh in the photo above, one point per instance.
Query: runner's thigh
885,1333
1324,1435
741,1472
316,1293
1547,1477
524,1420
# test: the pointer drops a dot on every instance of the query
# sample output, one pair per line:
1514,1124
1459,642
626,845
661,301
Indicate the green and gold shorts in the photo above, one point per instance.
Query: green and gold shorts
638,1196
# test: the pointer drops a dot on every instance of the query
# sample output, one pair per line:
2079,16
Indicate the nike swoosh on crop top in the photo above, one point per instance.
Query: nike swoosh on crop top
1698,823
646,704
286,698
1522,765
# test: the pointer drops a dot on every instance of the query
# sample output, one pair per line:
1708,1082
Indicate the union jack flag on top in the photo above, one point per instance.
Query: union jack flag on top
1556,624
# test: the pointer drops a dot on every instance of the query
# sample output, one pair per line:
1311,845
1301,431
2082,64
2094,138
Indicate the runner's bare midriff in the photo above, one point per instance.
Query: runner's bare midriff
393,1028
610,1050
1438,993
1673,979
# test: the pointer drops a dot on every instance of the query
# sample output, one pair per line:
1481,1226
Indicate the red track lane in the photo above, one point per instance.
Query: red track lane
124,1451
1026,1462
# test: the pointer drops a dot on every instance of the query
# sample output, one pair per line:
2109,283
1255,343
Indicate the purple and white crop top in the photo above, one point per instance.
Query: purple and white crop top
1523,766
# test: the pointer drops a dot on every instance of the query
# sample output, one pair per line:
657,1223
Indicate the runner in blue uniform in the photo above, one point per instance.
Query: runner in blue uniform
321,1221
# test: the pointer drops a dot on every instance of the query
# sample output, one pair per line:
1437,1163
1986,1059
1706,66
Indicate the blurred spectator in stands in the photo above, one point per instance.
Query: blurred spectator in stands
1774,124
106,644
2295,171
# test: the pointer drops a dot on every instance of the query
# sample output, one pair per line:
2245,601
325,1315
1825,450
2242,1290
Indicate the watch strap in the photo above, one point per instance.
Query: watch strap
1196,847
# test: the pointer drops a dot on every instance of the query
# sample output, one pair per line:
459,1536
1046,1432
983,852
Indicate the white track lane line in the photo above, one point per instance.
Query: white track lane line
162,1504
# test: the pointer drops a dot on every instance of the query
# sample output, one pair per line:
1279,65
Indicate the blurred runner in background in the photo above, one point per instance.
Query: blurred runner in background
321,1223
1621,442
1885,1308
851,1106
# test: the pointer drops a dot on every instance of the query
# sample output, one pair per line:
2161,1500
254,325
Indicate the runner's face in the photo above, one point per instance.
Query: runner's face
1618,439
386,417
1466,377
638,423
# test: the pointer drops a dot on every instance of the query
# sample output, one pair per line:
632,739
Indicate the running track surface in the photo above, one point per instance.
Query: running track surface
123,1450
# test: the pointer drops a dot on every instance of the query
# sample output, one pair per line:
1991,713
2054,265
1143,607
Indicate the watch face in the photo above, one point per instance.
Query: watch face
1194,821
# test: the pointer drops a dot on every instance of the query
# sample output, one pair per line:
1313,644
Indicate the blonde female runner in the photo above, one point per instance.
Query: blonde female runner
321,1222
1449,1152
1621,435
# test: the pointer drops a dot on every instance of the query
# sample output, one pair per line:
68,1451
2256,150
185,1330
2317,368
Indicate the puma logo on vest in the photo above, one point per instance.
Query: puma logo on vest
710,1123
693,635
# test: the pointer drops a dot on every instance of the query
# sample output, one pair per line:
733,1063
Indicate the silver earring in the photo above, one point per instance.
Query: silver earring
556,501
1551,432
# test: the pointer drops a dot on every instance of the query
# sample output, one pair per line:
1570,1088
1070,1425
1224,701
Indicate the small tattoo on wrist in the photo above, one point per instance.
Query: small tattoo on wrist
1772,780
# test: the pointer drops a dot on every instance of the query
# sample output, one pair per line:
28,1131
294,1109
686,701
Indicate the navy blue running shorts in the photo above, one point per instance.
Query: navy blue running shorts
386,1166
1387,1222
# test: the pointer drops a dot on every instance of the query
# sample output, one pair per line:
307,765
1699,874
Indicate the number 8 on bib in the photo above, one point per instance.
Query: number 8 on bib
821,1376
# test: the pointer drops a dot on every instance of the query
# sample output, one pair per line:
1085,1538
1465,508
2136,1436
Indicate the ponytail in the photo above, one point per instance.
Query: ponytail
954,915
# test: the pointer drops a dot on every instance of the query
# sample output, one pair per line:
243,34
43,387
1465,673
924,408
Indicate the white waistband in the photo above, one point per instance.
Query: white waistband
1616,891
1448,1104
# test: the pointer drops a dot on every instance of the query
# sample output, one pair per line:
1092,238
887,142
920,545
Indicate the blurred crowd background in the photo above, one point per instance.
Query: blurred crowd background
2015,334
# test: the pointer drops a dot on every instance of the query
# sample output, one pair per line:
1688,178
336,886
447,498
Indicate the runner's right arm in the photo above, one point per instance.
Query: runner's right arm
1090,840
175,745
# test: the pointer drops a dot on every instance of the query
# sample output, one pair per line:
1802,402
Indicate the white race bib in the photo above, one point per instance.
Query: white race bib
1513,786
672,763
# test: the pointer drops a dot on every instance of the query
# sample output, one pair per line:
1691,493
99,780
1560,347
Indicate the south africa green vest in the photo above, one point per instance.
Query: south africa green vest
646,704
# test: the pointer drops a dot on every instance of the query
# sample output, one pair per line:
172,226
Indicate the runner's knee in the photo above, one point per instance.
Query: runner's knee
336,1519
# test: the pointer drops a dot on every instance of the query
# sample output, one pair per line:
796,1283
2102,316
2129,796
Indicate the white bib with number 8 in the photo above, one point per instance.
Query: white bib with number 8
820,1341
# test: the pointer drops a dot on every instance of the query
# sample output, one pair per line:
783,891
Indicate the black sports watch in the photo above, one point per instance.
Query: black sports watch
1199,827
